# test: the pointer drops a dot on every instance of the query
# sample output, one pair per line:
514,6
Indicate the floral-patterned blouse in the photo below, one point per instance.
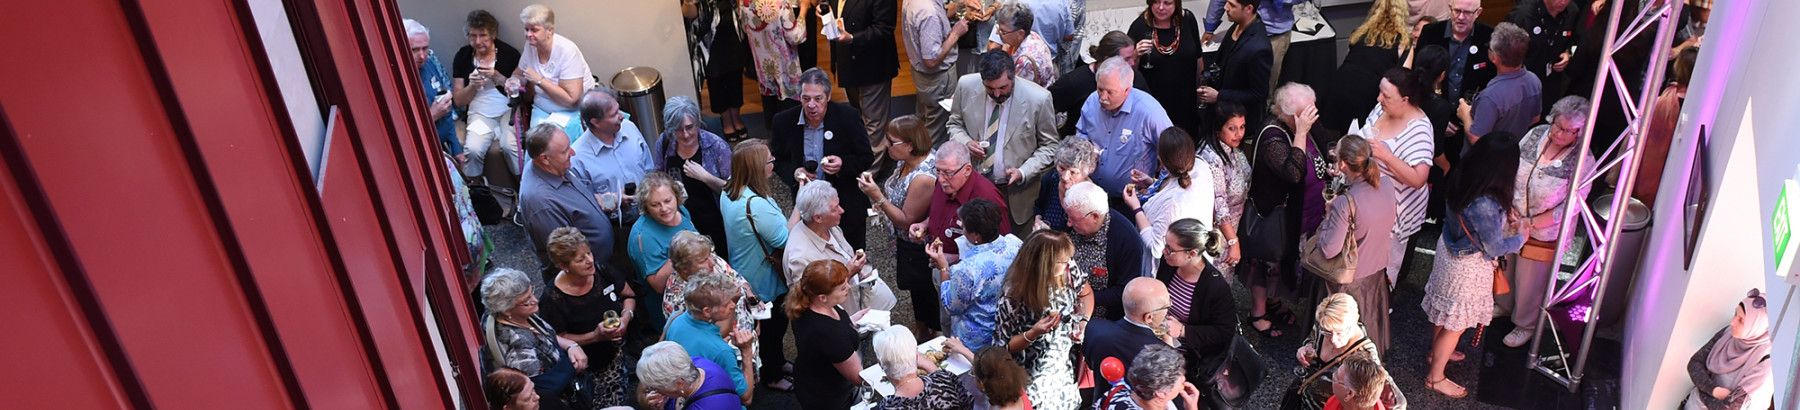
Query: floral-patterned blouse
675,294
897,186
973,292
1231,186
1034,61
1545,188
773,34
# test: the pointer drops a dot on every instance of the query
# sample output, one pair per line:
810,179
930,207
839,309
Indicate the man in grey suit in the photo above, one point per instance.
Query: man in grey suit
1009,126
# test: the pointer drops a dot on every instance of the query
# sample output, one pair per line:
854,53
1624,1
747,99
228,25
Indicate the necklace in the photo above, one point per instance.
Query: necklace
1156,40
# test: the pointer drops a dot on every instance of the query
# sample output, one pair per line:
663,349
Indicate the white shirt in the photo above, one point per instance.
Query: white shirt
1174,203
564,63
488,101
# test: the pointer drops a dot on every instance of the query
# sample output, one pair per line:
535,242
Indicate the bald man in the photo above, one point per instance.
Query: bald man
1146,310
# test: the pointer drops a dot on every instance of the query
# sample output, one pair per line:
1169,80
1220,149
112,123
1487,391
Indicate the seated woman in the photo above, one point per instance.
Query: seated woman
553,68
918,382
816,236
1358,384
829,367
508,389
1199,296
659,200
515,337
592,309
665,371
711,328
1732,371
1337,337
1364,213
1152,383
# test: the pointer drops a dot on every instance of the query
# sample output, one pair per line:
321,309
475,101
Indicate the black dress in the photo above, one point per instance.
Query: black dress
1354,86
1173,76
582,314
823,342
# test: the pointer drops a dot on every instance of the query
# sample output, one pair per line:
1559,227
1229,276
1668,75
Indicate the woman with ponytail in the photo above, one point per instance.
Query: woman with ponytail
1175,195
1363,212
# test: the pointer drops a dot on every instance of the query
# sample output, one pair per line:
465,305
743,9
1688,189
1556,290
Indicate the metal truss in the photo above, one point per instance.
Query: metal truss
1623,155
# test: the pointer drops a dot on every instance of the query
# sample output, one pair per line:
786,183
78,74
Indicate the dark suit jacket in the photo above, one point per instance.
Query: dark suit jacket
848,142
1212,319
871,57
1126,258
1244,71
1113,338
1476,69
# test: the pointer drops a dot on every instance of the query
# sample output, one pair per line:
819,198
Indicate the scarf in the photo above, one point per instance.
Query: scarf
1738,363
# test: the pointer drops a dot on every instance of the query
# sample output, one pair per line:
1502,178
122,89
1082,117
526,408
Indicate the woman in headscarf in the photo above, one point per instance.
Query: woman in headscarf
1733,371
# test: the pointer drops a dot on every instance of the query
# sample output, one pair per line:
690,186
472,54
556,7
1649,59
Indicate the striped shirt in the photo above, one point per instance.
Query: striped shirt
1181,295
1413,145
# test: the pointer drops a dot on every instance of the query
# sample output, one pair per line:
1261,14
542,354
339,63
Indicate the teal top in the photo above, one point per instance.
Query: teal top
747,245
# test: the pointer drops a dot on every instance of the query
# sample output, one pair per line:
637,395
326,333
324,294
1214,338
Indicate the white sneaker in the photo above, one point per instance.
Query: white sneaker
1517,337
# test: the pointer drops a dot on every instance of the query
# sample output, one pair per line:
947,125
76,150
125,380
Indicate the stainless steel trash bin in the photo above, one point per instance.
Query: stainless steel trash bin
1624,265
641,94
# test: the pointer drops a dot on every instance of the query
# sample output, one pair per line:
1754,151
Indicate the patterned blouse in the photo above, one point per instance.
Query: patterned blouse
1034,61
1090,259
943,390
973,292
773,45
1231,184
897,186
530,351
1545,188
1047,359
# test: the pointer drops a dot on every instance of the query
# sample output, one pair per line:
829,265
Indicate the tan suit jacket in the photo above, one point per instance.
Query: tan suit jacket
1029,144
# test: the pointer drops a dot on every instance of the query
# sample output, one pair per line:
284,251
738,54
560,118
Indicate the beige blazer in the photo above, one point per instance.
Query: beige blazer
804,247
1030,141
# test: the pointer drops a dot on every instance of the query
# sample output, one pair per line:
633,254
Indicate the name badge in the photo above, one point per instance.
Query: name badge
1474,49
1124,136
610,294
1537,30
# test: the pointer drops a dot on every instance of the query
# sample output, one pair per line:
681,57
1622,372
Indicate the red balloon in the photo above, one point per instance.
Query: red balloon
1112,369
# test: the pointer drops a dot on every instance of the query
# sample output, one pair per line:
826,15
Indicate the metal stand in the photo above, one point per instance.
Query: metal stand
1625,154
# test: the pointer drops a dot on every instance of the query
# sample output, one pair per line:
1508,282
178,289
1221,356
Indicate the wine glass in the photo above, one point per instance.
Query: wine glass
610,320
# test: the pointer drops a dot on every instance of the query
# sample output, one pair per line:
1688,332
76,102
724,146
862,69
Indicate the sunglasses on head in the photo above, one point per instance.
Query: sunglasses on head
1757,300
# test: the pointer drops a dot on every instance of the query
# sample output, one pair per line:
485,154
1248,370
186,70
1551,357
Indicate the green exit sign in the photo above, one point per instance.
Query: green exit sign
1781,226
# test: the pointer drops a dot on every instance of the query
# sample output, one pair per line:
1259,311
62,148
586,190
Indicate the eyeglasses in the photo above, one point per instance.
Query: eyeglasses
1464,12
1173,250
951,173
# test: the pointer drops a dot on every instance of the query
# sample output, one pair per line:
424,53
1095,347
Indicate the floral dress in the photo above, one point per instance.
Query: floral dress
1034,60
1231,185
1048,360
897,186
773,33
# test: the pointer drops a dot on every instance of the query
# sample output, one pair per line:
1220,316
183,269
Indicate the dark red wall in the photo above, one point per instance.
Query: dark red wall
164,242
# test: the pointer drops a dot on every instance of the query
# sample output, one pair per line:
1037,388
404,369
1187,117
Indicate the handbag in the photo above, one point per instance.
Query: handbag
1501,285
1231,384
1265,237
774,257
1306,393
1340,269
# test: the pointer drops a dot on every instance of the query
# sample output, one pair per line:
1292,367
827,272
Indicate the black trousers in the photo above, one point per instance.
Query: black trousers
774,329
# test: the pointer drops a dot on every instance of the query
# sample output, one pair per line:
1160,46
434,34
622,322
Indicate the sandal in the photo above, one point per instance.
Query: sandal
1280,313
1460,392
1456,356
1271,332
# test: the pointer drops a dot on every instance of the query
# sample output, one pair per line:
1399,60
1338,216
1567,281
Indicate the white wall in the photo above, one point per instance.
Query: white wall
613,34
1745,95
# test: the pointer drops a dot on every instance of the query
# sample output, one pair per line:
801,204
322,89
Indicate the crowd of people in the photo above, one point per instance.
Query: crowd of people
1072,229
